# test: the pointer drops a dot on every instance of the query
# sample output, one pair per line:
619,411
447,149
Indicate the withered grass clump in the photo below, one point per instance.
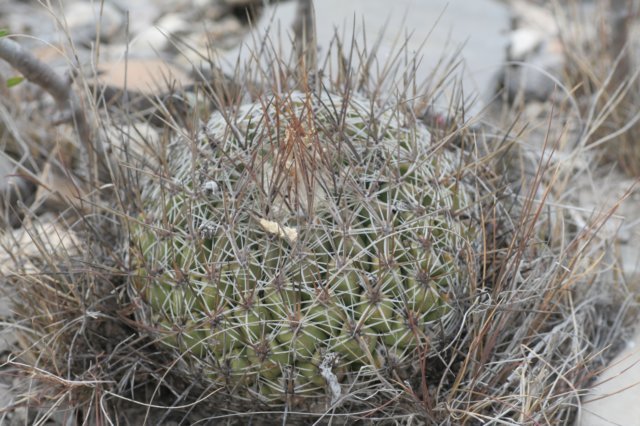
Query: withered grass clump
602,74
312,251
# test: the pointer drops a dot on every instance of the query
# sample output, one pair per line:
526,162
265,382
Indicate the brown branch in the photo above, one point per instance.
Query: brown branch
60,89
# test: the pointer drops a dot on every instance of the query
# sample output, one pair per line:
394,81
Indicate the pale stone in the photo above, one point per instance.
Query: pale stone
443,25
534,17
537,77
224,34
149,40
40,239
227,27
614,398
157,38
173,23
23,18
149,76
523,41
142,13
535,54
85,19
134,142
242,2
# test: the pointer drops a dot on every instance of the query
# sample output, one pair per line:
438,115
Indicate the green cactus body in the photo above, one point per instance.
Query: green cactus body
291,233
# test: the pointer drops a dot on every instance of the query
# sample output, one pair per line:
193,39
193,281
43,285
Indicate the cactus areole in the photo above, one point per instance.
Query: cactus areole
301,244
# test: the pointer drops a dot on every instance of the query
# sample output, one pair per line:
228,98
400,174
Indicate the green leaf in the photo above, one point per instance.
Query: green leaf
3,32
14,81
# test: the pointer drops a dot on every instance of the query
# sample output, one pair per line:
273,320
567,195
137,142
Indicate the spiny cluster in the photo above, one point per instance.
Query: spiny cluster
303,242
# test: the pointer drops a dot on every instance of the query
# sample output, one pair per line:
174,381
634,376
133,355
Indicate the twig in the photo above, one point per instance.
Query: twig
60,89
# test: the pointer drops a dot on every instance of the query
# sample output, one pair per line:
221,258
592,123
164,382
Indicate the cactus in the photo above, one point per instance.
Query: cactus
290,236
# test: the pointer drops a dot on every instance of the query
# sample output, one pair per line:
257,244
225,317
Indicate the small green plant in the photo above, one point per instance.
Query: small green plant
14,81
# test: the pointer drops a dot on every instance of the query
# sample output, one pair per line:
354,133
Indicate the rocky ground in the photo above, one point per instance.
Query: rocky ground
151,46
